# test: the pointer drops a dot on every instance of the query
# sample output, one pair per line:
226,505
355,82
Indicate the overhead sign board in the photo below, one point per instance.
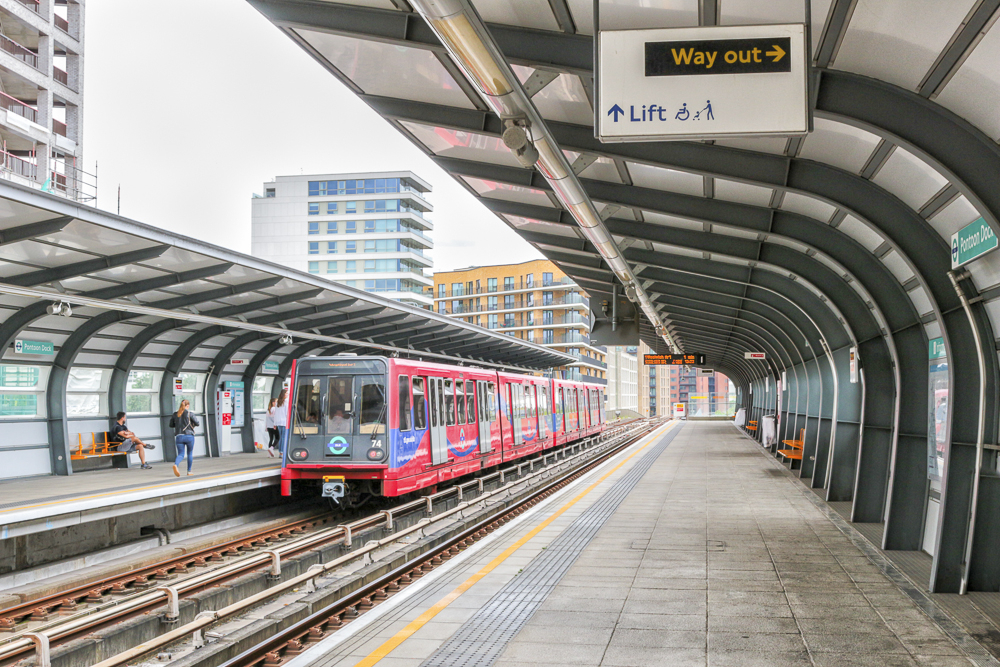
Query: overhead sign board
706,371
269,368
702,83
178,386
754,355
854,365
972,241
33,347
936,349
673,359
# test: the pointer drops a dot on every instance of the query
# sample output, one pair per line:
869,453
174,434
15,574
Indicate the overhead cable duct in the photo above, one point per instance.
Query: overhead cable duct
464,35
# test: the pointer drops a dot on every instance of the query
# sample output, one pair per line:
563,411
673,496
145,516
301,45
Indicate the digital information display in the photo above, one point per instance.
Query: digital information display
673,359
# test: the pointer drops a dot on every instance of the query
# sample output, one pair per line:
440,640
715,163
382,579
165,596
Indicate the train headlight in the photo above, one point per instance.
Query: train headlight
299,454
376,454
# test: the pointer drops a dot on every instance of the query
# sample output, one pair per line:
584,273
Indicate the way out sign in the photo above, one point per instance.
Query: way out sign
702,83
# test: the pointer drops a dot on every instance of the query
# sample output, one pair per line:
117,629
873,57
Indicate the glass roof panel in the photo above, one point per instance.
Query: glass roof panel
953,217
524,13
755,12
40,254
176,259
389,69
507,192
898,40
861,232
15,214
974,91
898,266
84,284
128,273
985,271
772,145
743,193
839,144
909,178
603,169
671,180
673,221
565,100
463,145
920,301
81,235
626,14
810,206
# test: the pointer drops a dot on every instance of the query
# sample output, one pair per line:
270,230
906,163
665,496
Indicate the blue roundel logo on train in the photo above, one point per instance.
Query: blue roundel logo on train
462,447
337,446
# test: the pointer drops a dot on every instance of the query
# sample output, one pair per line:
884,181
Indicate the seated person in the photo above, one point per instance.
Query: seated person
338,423
128,442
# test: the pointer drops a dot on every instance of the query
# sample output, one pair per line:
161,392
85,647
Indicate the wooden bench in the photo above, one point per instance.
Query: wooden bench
99,447
796,447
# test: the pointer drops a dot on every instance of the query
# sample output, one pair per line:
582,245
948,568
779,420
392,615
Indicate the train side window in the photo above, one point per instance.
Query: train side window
404,403
470,398
419,404
449,402
460,401
491,401
483,404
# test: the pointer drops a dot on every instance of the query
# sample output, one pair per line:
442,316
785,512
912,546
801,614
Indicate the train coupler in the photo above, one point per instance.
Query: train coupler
334,487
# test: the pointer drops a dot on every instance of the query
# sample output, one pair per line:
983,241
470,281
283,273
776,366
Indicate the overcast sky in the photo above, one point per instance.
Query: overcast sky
192,105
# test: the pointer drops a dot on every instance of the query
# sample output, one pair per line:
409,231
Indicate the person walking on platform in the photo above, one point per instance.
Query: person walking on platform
183,424
272,430
128,442
281,419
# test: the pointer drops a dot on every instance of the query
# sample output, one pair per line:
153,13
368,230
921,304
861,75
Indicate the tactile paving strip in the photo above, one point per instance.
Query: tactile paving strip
481,640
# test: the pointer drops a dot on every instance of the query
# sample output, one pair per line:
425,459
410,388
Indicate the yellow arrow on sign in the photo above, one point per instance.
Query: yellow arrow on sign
778,53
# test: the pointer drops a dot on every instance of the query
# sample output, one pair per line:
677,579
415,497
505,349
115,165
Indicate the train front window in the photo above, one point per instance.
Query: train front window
371,393
307,407
339,407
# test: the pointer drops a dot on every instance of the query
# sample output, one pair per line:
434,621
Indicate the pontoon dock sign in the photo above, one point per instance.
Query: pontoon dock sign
970,242
706,82
754,355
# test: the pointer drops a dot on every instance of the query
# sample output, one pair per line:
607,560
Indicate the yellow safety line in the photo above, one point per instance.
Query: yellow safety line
386,648
139,488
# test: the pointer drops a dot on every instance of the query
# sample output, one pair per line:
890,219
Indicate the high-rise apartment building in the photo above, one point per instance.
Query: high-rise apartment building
533,301
41,96
623,378
368,231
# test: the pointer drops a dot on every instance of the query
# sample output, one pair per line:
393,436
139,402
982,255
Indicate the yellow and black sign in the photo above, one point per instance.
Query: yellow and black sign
719,56
673,359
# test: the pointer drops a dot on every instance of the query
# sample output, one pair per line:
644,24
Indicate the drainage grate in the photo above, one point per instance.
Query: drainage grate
481,640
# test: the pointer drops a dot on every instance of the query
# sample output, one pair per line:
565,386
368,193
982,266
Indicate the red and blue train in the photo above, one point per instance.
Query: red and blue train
369,426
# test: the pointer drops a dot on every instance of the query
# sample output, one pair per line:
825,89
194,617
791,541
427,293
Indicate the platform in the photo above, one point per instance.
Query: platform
46,519
693,547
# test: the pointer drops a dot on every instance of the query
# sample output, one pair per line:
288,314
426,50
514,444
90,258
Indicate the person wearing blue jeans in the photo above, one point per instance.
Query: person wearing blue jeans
184,424
281,420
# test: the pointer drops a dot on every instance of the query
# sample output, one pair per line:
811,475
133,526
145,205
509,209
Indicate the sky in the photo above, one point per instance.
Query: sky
192,105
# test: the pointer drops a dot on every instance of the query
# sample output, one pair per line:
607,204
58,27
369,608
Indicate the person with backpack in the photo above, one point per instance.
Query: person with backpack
184,423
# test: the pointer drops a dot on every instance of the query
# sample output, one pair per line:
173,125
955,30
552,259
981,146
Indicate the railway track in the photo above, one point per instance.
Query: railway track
69,615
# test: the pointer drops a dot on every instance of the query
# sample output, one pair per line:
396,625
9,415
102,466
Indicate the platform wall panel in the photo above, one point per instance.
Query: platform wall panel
25,462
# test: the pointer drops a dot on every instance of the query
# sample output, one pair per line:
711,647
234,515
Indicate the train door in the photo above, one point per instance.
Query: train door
560,411
439,435
544,414
516,403
483,412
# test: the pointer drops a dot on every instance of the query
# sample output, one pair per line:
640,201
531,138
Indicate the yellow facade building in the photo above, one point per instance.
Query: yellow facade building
533,301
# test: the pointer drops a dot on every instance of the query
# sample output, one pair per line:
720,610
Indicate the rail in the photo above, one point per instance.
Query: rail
15,105
18,166
59,127
33,5
23,54
61,76
470,496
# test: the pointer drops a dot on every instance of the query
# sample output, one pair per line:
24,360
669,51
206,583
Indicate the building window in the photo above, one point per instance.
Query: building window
351,283
351,267
352,247
529,299
331,228
87,391
508,283
468,287
369,266
350,207
491,284
350,227
509,302
313,267
491,303
529,319
20,389
314,247
548,336
261,392
331,267
442,308
314,208
546,279
546,298
509,321
331,207
313,228
529,280
442,290
492,322
331,247
269,193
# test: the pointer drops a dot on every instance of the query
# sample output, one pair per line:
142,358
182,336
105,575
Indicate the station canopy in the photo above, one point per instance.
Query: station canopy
783,246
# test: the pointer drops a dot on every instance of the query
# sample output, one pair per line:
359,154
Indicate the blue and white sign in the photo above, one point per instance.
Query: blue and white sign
702,83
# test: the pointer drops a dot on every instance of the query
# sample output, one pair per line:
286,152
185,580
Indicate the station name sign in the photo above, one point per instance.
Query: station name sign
755,355
972,241
673,359
703,82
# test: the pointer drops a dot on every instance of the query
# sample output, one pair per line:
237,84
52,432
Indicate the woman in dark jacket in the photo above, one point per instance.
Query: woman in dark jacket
183,424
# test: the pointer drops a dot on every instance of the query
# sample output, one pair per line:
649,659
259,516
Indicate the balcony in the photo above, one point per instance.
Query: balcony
61,76
22,109
59,127
33,5
23,54
17,166
519,286
566,338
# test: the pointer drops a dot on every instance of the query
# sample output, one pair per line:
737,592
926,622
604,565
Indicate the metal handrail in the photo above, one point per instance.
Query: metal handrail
22,53
15,105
